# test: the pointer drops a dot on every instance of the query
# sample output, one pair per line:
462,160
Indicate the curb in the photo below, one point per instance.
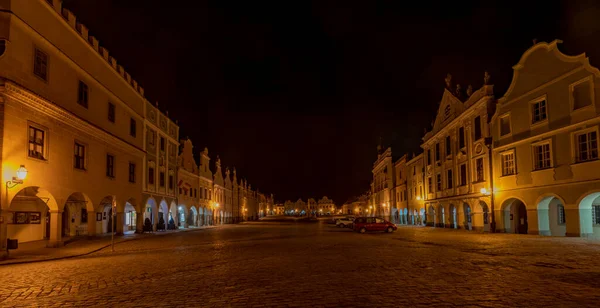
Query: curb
95,250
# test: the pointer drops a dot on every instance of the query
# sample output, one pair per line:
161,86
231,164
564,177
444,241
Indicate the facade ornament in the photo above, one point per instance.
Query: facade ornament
486,78
458,90
469,90
156,104
535,41
448,80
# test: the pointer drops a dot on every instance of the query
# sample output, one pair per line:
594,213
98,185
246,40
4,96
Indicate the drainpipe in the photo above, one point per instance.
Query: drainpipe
490,146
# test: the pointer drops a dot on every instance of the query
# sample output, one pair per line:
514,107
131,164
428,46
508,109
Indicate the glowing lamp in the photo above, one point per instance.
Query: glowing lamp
418,198
21,173
484,191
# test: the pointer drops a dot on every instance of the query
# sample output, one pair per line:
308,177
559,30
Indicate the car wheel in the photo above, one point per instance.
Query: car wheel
363,230
390,229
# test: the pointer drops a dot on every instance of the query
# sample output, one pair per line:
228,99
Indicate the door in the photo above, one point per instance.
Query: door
47,235
522,222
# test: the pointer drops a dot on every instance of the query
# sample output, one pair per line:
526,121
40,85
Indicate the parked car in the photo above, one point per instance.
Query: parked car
364,224
344,222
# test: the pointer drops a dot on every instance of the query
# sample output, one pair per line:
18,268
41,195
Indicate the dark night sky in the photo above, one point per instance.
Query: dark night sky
295,94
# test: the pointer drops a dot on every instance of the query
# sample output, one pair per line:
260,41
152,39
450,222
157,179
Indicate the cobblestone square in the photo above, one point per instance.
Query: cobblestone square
300,264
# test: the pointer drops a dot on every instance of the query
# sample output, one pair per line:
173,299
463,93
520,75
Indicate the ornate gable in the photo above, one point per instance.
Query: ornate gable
450,107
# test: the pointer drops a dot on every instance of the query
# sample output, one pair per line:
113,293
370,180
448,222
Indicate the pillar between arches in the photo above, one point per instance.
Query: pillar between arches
139,222
91,224
55,229
573,223
532,222
120,220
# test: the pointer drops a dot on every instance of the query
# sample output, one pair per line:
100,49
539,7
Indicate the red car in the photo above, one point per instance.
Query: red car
364,224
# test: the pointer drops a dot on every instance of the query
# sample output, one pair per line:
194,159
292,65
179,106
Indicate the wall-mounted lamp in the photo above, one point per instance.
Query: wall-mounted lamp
16,180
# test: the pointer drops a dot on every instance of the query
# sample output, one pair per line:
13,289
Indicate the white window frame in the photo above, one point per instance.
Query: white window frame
533,102
575,143
506,115
572,86
533,158
514,159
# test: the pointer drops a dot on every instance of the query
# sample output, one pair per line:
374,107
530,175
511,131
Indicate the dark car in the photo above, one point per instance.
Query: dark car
364,224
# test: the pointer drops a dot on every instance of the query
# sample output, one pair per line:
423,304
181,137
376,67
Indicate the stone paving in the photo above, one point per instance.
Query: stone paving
315,264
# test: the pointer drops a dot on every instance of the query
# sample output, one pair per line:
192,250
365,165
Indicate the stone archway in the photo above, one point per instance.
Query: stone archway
441,218
193,217
589,215
130,219
34,215
514,216
151,212
76,216
107,217
163,215
551,216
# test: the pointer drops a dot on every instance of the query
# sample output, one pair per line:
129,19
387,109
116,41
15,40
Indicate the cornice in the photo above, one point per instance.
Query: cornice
28,99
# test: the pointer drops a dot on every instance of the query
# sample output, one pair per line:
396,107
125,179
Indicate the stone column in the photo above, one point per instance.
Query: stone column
119,220
155,218
139,222
573,220
91,224
55,229
532,222
3,232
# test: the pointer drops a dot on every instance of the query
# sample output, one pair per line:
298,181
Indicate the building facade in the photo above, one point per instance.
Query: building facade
382,188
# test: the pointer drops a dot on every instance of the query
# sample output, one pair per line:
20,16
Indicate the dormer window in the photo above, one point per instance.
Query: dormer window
538,111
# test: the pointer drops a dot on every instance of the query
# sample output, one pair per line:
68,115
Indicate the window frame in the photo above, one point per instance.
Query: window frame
466,175
36,49
560,215
449,179
462,137
448,144
151,176
439,182
575,144
477,128
514,162
504,116
45,152
572,86
114,112
81,103
110,172
531,106
438,155
476,171
133,128
533,158
132,175
77,144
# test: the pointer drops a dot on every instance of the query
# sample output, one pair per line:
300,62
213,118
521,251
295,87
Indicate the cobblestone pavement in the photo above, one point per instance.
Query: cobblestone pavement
263,264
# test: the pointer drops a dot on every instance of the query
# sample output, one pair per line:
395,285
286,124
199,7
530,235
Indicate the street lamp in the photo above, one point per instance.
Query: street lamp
16,180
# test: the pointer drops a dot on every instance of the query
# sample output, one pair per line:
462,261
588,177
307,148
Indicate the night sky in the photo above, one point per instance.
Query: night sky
296,94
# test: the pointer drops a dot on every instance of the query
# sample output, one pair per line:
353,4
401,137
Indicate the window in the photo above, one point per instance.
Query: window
132,127
439,182
538,111
161,179
162,144
131,173
541,156
84,215
428,157
508,163
79,156
596,214
437,152
461,137
448,146
171,183
82,94
40,64
505,125
463,174
587,146
479,170
477,127
582,94
420,190
151,176
560,214
414,170
110,166
429,185
37,143
449,180
111,112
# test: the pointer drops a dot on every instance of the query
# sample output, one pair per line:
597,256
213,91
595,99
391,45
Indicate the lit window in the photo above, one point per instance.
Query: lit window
587,146
479,170
508,163
538,111
37,143
541,156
